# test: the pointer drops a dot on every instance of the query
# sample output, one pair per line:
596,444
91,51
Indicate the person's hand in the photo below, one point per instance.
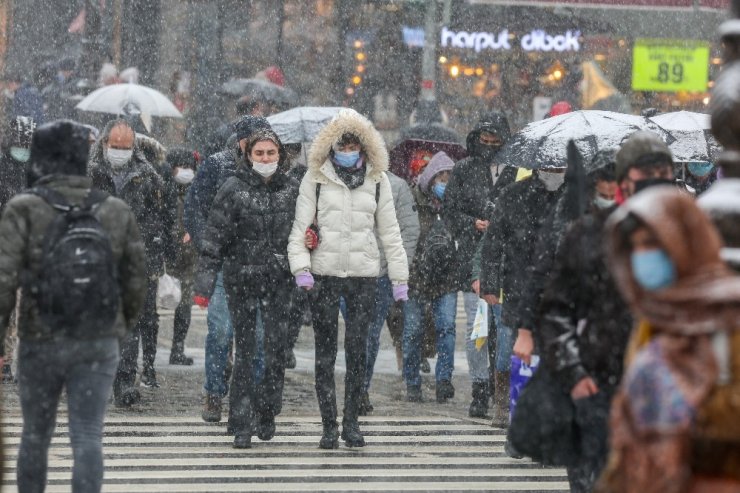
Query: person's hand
401,292
524,345
186,238
491,299
584,388
304,280
481,224
311,240
476,286
201,301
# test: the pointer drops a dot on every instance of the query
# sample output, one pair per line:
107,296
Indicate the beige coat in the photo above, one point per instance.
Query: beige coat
347,218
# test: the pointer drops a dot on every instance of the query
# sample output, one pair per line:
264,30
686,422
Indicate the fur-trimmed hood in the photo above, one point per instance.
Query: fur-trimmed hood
350,121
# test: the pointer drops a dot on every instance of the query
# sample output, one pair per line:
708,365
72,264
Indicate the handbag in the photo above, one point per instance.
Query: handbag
543,426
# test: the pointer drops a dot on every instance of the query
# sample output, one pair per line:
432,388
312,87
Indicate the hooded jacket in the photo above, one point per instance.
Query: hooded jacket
143,189
247,232
347,219
471,192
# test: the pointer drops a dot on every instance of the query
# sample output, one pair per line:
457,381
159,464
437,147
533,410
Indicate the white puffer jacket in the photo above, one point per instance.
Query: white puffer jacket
347,218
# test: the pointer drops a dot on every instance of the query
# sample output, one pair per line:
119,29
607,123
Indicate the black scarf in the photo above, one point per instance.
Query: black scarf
352,177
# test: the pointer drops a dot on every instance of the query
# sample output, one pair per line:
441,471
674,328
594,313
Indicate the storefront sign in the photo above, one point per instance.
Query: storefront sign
670,65
536,40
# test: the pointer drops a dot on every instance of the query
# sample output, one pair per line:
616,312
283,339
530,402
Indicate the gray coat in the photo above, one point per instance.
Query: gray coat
407,217
23,226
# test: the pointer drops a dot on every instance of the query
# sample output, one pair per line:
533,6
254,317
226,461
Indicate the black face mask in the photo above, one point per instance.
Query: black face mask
651,182
488,152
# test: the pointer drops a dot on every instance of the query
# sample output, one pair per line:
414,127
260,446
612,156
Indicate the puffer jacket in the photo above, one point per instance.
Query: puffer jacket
348,218
247,233
12,178
23,228
408,219
143,189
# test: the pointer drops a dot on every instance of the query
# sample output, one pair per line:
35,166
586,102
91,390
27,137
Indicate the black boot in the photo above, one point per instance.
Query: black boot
479,405
351,433
444,391
177,355
266,427
149,378
330,436
365,405
211,409
243,440
290,362
413,393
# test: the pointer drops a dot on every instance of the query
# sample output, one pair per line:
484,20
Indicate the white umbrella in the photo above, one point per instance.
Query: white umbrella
111,99
693,134
301,124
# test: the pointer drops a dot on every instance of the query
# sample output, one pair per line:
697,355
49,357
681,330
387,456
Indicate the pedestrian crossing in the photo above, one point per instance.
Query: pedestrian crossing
183,454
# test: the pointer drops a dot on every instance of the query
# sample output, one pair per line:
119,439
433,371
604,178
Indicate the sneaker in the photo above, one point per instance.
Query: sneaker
127,397
149,378
290,362
444,391
211,409
425,367
413,393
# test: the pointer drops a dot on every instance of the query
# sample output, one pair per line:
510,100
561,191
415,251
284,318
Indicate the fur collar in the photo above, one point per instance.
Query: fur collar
348,120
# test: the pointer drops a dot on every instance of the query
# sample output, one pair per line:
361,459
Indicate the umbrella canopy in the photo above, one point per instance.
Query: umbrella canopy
693,134
301,124
436,132
409,157
544,143
113,98
259,89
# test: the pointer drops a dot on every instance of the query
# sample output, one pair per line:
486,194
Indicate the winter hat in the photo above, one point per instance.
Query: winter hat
560,108
60,147
439,163
641,147
181,157
247,125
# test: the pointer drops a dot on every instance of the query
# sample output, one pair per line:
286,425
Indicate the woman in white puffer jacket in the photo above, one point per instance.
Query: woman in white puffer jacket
346,196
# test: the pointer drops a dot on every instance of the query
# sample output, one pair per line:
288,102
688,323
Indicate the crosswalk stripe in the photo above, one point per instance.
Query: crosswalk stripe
183,454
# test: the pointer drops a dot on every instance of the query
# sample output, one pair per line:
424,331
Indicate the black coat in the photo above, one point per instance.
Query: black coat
582,288
144,191
247,234
12,178
509,249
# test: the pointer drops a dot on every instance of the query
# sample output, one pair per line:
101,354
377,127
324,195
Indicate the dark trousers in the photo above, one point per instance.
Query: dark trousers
592,418
299,306
85,368
359,295
248,397
182,315
146,329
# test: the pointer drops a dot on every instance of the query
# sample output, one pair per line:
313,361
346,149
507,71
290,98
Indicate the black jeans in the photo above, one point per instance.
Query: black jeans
183,314
359,295
592,418
299,306
86,369
146,329
248,397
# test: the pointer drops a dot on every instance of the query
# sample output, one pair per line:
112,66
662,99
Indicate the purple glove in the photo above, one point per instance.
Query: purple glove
304,280
401,292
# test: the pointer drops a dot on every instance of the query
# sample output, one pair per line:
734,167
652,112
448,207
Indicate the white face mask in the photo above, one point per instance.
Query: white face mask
119,157
20,154
603,203
184,176
552,181
265,169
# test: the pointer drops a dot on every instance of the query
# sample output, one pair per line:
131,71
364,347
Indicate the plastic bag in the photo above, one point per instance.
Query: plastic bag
521,373
169,292
480,325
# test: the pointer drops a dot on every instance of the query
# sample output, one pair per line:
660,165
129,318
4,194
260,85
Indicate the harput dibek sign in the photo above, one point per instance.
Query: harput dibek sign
536,40
670,65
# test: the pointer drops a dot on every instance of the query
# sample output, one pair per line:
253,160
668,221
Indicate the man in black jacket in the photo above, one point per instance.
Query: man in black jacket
521,210
118,167
475,183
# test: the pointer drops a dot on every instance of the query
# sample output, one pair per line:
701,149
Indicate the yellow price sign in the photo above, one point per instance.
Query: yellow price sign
670,65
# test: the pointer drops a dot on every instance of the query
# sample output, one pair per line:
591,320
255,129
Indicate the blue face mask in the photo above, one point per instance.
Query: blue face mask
700,168
346,159
653,269
439,190
20,154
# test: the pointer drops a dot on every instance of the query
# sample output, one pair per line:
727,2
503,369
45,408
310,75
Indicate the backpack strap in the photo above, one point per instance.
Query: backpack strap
377,193
316,215
52,197
94,198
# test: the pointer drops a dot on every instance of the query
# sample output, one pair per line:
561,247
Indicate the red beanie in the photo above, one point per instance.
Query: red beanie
560,108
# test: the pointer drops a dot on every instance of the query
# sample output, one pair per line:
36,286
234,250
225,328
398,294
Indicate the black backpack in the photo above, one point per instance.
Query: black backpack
76,289
439,253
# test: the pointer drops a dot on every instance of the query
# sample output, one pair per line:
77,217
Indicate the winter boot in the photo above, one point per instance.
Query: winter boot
149,378
501,400
413,393
479,405
211,409
266,427
243,440
351,433
290,362
365,406
330,436
425,367
177,355
127,397
444,391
